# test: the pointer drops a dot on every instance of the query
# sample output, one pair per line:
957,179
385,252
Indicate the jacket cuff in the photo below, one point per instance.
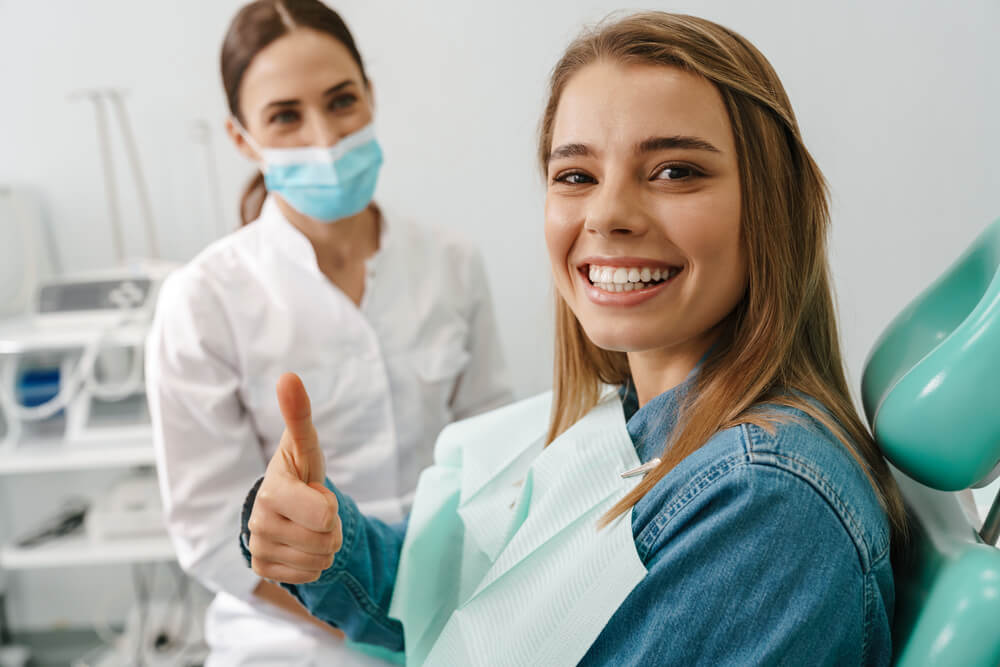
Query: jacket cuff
245,520
350,520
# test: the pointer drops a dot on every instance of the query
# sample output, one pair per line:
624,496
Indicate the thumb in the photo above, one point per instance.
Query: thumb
299,443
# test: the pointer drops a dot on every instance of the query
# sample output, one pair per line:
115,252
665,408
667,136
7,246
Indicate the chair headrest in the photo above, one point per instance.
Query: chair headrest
931,386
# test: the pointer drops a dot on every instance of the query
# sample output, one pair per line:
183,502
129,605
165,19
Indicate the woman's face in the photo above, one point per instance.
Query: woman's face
303,89
642,212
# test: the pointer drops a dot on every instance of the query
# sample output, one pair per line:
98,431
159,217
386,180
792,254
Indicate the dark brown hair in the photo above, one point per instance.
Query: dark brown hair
253,28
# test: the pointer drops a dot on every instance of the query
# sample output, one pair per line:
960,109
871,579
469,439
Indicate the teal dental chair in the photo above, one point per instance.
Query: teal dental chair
931,391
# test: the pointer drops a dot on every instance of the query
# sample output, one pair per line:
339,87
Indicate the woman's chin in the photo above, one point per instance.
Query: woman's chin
617,340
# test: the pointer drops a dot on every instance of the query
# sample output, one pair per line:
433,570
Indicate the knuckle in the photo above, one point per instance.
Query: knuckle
260,550
329,518
261,528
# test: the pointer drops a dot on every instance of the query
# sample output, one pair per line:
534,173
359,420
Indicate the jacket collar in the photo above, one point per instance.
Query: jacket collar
287,239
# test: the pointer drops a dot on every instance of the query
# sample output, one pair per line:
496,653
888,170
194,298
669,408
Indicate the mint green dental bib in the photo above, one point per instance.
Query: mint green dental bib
503,563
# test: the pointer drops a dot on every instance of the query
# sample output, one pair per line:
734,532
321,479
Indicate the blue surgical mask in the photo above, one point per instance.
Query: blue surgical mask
327,184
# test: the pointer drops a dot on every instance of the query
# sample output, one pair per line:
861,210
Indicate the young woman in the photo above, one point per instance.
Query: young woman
390,325
725,505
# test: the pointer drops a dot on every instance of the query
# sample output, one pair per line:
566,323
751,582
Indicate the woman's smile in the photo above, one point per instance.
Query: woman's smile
625,281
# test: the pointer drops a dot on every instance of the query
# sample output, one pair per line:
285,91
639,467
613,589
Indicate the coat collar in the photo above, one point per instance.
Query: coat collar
286,238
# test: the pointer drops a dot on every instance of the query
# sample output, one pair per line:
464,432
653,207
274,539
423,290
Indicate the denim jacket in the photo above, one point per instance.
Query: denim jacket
761,548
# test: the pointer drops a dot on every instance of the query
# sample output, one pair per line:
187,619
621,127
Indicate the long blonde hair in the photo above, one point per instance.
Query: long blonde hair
782,337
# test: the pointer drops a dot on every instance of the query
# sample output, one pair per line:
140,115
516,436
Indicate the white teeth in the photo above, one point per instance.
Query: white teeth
622,287
627,279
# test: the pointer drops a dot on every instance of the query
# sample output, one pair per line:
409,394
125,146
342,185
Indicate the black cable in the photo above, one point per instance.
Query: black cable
68,520
172,631
4,626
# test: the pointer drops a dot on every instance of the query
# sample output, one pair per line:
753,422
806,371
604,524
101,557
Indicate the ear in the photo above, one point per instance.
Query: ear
370,89
241,144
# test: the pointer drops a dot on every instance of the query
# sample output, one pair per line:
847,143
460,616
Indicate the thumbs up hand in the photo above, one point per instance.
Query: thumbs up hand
295,530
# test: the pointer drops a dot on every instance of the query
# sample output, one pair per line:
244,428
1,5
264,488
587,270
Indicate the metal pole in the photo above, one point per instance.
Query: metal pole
132,153
202,134
991,527
107,164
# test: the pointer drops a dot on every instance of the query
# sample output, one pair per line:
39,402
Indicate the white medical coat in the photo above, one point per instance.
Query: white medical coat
420,352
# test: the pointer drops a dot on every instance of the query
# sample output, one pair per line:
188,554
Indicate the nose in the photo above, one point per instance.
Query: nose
615,209
322,131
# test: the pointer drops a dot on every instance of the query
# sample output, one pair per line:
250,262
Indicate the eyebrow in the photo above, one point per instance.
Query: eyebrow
293,102
646,146
666,143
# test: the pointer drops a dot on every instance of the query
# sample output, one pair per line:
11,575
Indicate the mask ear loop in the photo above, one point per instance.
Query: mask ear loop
247,138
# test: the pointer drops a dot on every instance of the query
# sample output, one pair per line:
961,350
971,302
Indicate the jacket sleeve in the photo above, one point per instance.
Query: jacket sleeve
355,592
483,384
207,452
756,568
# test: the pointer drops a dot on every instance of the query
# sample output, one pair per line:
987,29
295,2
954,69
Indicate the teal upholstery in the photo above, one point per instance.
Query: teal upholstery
931,391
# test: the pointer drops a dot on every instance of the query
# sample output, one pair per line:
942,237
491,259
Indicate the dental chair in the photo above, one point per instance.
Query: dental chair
931,391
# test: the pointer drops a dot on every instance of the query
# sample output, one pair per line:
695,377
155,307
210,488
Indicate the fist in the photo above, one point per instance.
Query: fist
295,530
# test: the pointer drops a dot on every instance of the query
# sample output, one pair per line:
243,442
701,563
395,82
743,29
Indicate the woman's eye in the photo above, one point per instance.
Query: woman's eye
285,117
573,178
343,102
676,173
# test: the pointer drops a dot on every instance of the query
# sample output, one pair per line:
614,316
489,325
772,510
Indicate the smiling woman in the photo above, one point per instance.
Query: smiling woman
720,502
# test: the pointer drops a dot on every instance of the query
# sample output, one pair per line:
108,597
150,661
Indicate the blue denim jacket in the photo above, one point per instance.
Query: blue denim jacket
761,548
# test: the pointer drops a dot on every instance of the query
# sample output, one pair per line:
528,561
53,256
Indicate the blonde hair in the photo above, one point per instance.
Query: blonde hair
781,340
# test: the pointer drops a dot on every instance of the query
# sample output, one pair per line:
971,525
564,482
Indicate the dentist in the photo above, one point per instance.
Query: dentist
390,325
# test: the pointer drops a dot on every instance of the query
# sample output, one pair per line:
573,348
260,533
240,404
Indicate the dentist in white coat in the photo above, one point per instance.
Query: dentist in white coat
390,325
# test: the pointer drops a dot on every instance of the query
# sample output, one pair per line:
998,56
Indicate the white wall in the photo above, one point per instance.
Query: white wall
899,103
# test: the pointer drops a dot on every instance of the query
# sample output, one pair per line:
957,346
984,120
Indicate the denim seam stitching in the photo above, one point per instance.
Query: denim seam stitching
881,557
687,494
826,491
866,631
747,441
368,606
858,534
